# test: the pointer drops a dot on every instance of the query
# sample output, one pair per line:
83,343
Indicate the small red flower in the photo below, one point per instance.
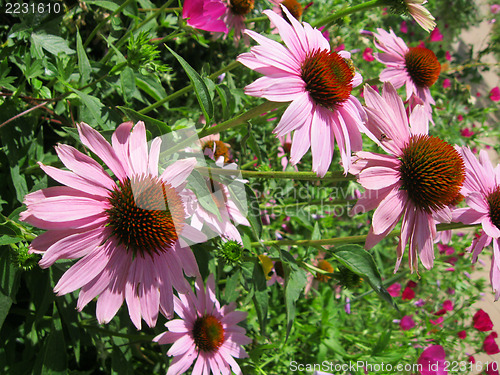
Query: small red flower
407,323
408,294
489,344
482,321
495,94
368,54
394,290
462,335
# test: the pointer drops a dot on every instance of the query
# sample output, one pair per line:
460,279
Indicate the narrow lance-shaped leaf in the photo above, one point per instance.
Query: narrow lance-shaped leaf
200,88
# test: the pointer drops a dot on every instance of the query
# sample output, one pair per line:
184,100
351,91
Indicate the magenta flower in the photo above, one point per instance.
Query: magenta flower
462,334
394,290
436,35
495,94
446,83
417,67
448,55
206,334
489,345
205,15
125,230
495,8
466,132
482,193
408,294
368,54
403,27
482,321
418,181
432,361
407,323
317,81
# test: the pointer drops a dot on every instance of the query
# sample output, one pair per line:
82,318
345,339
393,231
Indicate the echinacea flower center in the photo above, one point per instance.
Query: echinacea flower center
146,214
241,7
432,172
325,266
493,200
208,333
423,66
328,77
293,7
219,149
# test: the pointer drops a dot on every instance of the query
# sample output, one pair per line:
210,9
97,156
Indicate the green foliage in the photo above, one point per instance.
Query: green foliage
107,62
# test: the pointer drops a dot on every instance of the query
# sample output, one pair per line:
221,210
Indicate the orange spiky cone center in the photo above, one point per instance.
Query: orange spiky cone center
325,266
423,66
432,172
208,333
241,7
294,7
328,77
146,214
493,200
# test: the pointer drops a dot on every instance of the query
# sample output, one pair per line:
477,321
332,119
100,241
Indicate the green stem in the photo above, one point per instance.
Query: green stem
345,12
103,22
323,202
170,37
256,19
125,37
166,10
351,239
188,88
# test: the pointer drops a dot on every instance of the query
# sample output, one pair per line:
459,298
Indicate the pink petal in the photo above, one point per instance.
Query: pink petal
297,114
84,166
178,172
138,149
321,142
74,181
83,271
98,145
301,142
389,212
120,140
374,178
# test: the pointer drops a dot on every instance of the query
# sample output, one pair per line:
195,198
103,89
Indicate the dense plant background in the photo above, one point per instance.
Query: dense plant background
106,62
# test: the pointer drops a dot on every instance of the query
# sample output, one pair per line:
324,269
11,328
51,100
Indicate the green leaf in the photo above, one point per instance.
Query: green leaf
360,261
51,43
200,88
156,127
151,86
104,4
382,342
83,61
198,184
295,281
253,212
5,303
7,240
92,103
19,181
231,290
127,80
53,353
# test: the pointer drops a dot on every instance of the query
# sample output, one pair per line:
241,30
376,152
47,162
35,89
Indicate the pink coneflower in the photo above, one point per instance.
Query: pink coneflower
214,148
415,67
205,15
407,322
234,17
125,230
317,81
228,215
482,185
206,333
419,179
